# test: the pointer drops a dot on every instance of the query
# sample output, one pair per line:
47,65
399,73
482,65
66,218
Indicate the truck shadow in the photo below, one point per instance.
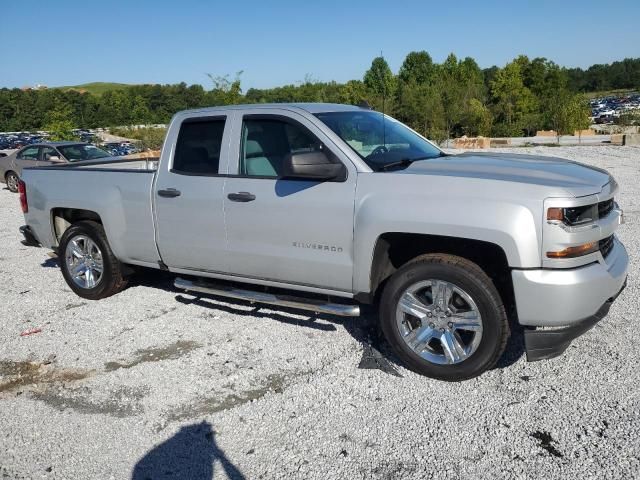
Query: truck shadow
258,312
189,455
376,352
51,262
514,350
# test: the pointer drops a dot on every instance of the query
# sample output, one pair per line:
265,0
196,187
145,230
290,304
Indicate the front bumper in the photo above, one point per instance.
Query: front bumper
544,344
30,239
564,297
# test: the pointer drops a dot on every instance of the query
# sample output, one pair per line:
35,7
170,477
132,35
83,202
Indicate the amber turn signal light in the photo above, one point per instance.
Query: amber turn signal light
578,251
555,214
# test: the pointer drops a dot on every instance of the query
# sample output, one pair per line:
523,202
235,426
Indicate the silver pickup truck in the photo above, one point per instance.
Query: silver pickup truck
327,207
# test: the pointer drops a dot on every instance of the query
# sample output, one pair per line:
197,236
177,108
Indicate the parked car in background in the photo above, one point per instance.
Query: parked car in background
119,149
44,154
606,109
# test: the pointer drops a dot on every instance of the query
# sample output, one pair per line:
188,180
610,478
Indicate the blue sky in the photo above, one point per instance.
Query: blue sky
276,42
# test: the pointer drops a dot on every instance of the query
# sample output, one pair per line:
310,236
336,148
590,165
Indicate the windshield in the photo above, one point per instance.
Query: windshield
379,142
74,153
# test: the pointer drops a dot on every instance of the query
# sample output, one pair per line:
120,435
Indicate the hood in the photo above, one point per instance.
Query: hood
578,179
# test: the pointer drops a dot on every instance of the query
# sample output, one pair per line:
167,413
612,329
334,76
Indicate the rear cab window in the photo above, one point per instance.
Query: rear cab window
199,146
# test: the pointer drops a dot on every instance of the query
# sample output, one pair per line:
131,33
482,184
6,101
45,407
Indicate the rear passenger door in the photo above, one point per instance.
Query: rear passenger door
188,195
28,157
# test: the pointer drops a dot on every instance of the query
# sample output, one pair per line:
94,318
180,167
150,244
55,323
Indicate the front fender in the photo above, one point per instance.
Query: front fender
513,226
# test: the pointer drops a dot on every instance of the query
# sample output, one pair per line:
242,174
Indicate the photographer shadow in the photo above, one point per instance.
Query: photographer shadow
189,455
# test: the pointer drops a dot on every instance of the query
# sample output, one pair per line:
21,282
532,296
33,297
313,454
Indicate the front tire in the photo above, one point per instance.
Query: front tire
444,317
12,181
88,265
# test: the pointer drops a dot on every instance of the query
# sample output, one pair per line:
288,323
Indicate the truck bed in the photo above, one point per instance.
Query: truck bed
119,191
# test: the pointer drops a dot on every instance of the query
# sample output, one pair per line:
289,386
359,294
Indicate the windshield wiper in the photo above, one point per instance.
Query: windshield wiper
404,162
400,163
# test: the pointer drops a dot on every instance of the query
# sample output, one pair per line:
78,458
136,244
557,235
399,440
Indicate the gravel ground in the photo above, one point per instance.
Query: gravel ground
154,384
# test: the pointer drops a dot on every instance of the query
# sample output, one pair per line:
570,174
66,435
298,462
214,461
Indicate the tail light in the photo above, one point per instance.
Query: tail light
22,190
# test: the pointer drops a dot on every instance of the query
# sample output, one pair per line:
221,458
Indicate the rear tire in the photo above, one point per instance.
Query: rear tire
88,265
444,317
12,180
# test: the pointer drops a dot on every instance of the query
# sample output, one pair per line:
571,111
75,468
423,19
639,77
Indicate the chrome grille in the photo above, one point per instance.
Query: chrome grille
604,208
606,245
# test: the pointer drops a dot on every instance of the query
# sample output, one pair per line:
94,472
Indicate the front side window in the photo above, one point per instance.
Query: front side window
266,142
199,145
29,153
379,141
48,152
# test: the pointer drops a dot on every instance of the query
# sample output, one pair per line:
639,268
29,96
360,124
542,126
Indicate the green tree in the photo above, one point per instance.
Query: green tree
417,67
225,91
59,125
140,113
570,114
478,119
352,93
460,82
380,84
512,100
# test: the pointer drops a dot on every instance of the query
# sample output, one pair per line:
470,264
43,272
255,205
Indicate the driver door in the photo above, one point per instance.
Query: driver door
285,230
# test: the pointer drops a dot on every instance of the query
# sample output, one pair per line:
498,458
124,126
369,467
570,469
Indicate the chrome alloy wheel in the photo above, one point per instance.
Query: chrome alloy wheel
439,321
84,261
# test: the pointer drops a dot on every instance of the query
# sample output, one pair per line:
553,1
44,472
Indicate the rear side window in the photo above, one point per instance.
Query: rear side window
199,145
29,153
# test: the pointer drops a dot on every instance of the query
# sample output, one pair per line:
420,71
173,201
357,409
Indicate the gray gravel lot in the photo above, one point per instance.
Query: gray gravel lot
152,383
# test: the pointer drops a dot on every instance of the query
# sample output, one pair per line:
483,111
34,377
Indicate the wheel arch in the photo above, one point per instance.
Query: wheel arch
394,249
63,218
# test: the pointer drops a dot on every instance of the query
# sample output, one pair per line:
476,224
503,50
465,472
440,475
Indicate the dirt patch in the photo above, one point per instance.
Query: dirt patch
163,311
71,306
120,402
14,375
156,354
210,405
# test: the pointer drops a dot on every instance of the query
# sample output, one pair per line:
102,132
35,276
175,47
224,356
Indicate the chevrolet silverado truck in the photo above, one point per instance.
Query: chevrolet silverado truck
328,207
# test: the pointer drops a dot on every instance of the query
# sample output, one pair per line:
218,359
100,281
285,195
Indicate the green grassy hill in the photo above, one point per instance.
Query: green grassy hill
97,88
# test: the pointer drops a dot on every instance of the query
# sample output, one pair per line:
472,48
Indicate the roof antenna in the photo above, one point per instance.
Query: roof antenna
384,94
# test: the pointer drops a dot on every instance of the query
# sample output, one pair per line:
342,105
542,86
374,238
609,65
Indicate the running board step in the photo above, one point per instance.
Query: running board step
300,303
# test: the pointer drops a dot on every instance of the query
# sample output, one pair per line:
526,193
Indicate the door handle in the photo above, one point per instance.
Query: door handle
169,193
241,197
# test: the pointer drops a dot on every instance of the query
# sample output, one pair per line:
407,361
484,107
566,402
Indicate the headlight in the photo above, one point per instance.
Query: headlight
574,215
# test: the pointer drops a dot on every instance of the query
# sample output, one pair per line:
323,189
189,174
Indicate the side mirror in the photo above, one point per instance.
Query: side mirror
53,158
312,166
